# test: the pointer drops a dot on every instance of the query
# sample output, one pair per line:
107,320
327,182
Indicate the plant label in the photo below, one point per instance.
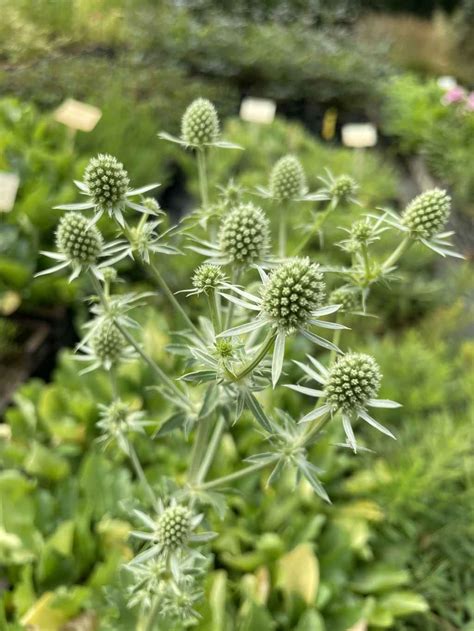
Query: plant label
77,115
254,110
9,183
359,135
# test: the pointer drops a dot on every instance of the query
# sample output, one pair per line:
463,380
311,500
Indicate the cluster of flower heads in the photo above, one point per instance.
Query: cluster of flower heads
292,299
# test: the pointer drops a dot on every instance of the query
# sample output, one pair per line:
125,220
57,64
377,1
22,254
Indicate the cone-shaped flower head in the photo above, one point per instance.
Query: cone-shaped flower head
362,231
76,239
174,527
343,187
344,296
200,123
208,277
244,235
152,205
293,291
107,181
287,179
353,380
427,213
108,343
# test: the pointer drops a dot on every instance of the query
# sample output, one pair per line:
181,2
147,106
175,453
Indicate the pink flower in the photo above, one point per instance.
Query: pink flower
455,95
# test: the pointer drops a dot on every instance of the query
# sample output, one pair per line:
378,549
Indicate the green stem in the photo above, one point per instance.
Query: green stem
230,309
212,484
397,253
131,340
212,449
335,340
282,233
199,448
215,311
202,172
365,257
132,454
149,623
317,225
172,298
265,347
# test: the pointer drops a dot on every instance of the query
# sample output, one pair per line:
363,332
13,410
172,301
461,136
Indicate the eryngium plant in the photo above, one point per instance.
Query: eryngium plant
255,300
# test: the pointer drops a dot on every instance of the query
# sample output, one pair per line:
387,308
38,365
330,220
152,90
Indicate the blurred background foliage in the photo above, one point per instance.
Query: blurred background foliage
395,549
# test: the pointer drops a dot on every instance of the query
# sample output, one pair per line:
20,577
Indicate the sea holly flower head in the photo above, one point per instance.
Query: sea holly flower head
422,220
287,179
244,235
200,123
341,189
353,380
80,246
117,421
207,278
346,297
104,346
349,386
427,214
294,290
170,533
106,183
243,239
199,127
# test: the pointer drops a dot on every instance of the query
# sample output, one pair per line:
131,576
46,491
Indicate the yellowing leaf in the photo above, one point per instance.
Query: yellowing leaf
298,573
43,617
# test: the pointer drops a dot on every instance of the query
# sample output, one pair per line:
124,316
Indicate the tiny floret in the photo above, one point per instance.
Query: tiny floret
200,124
107,181
152,205
287,179
352,381
343,187
174,527
293,292
426,215
207,277
344,296
108,343
362,232
244,235
80,242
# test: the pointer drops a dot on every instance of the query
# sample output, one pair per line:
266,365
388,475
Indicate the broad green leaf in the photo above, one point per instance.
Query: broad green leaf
311,621
46,463
255,618
298,573
379,577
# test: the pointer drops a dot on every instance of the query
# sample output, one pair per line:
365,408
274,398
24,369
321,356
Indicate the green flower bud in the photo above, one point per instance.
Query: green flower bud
108,343
294,290
244,234
207,277
224,348
344,296
152,205
426,215
109,274
362,232
79,241
343,187
287,179
106,180
174,527
352,380
200,124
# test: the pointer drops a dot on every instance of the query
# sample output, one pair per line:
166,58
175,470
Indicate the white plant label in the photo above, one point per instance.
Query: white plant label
254,110
9,183
359,135
77,115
